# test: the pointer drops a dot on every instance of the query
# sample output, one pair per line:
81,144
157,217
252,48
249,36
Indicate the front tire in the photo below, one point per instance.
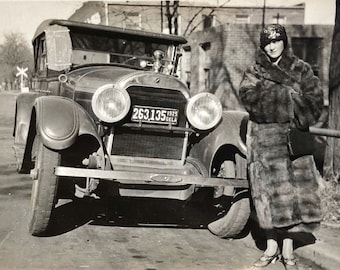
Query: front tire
44,188
232,223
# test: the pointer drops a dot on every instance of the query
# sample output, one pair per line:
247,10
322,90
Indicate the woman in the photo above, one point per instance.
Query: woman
281,91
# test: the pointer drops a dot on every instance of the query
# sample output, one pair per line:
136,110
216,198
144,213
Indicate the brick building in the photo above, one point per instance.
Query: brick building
215,59
191,16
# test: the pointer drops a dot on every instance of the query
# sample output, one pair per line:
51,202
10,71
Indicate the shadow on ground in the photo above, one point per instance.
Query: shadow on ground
134,212
12,184
300,239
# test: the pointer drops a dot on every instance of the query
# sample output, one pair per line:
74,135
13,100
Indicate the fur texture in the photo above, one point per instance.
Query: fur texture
285,192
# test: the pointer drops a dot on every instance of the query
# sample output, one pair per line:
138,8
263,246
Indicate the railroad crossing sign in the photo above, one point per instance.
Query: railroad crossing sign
22,74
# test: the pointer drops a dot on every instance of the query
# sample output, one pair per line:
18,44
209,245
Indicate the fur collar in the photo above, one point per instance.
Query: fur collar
286,72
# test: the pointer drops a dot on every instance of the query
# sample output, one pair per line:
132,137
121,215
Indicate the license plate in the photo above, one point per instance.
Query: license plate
156,115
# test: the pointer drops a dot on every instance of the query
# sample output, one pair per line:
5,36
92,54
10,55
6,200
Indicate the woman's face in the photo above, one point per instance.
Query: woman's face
274,49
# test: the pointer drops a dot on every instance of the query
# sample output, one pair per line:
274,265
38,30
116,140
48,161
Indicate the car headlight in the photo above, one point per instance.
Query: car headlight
204,111
110,104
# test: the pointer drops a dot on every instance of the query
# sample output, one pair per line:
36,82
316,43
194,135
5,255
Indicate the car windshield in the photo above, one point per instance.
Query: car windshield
89,49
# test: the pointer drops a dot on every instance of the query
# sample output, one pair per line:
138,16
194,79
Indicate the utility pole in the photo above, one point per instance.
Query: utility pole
277,18
263,13
106,13
162,16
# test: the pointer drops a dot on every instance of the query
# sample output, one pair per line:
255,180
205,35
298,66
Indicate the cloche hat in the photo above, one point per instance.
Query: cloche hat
273,32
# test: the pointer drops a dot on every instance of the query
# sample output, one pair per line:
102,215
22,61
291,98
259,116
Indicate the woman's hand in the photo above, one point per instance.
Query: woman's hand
299,104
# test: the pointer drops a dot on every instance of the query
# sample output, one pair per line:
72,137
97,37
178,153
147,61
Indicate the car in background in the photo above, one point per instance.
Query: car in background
107,115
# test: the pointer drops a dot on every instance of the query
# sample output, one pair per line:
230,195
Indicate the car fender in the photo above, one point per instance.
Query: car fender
57,121
231,131
22,117
60,120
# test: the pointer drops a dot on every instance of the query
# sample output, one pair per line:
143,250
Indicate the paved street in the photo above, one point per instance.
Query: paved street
125,234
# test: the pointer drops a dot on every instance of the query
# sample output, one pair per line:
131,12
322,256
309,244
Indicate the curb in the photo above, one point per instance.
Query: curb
11,93
323,252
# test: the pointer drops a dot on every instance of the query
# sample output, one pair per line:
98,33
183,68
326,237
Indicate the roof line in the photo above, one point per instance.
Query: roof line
105,28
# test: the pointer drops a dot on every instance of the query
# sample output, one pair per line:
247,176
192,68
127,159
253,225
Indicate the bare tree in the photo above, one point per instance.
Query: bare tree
331,202
14,52
171,13
332,162
191,21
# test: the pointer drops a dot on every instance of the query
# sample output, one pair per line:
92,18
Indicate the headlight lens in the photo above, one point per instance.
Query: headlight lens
204,111
111,104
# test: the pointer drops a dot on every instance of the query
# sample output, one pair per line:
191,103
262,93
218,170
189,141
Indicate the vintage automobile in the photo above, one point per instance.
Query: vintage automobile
107,115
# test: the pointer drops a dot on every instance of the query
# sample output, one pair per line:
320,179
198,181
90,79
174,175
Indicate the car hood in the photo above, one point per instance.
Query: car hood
89,79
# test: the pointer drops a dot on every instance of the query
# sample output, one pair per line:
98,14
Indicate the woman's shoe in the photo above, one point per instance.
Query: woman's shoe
289,263
264,260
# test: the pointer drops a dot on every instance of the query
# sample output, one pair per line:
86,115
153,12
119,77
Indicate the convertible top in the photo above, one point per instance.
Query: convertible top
87,27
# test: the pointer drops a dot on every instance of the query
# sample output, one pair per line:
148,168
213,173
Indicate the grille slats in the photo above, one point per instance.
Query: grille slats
152,144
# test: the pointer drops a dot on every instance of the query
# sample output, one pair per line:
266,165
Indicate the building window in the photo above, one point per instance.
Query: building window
205,63
308,49
242,18
186,64
280,19
188,78
208,21
207,79
133,20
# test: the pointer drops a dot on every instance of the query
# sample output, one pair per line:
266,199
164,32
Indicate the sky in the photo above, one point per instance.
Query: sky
23,16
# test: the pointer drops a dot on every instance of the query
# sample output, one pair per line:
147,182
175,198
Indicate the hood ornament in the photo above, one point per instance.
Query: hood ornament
158,56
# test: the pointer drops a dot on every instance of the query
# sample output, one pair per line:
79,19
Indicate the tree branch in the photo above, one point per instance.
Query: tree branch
197,13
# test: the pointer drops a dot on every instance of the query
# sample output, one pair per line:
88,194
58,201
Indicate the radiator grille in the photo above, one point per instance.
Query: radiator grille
147,144
152,144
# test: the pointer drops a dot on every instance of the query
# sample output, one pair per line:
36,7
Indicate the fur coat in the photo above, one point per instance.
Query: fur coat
277,96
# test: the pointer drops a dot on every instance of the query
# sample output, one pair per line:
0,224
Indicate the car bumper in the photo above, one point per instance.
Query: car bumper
129,177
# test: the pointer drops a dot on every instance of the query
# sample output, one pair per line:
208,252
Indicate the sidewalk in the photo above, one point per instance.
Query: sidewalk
10,92
325,252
